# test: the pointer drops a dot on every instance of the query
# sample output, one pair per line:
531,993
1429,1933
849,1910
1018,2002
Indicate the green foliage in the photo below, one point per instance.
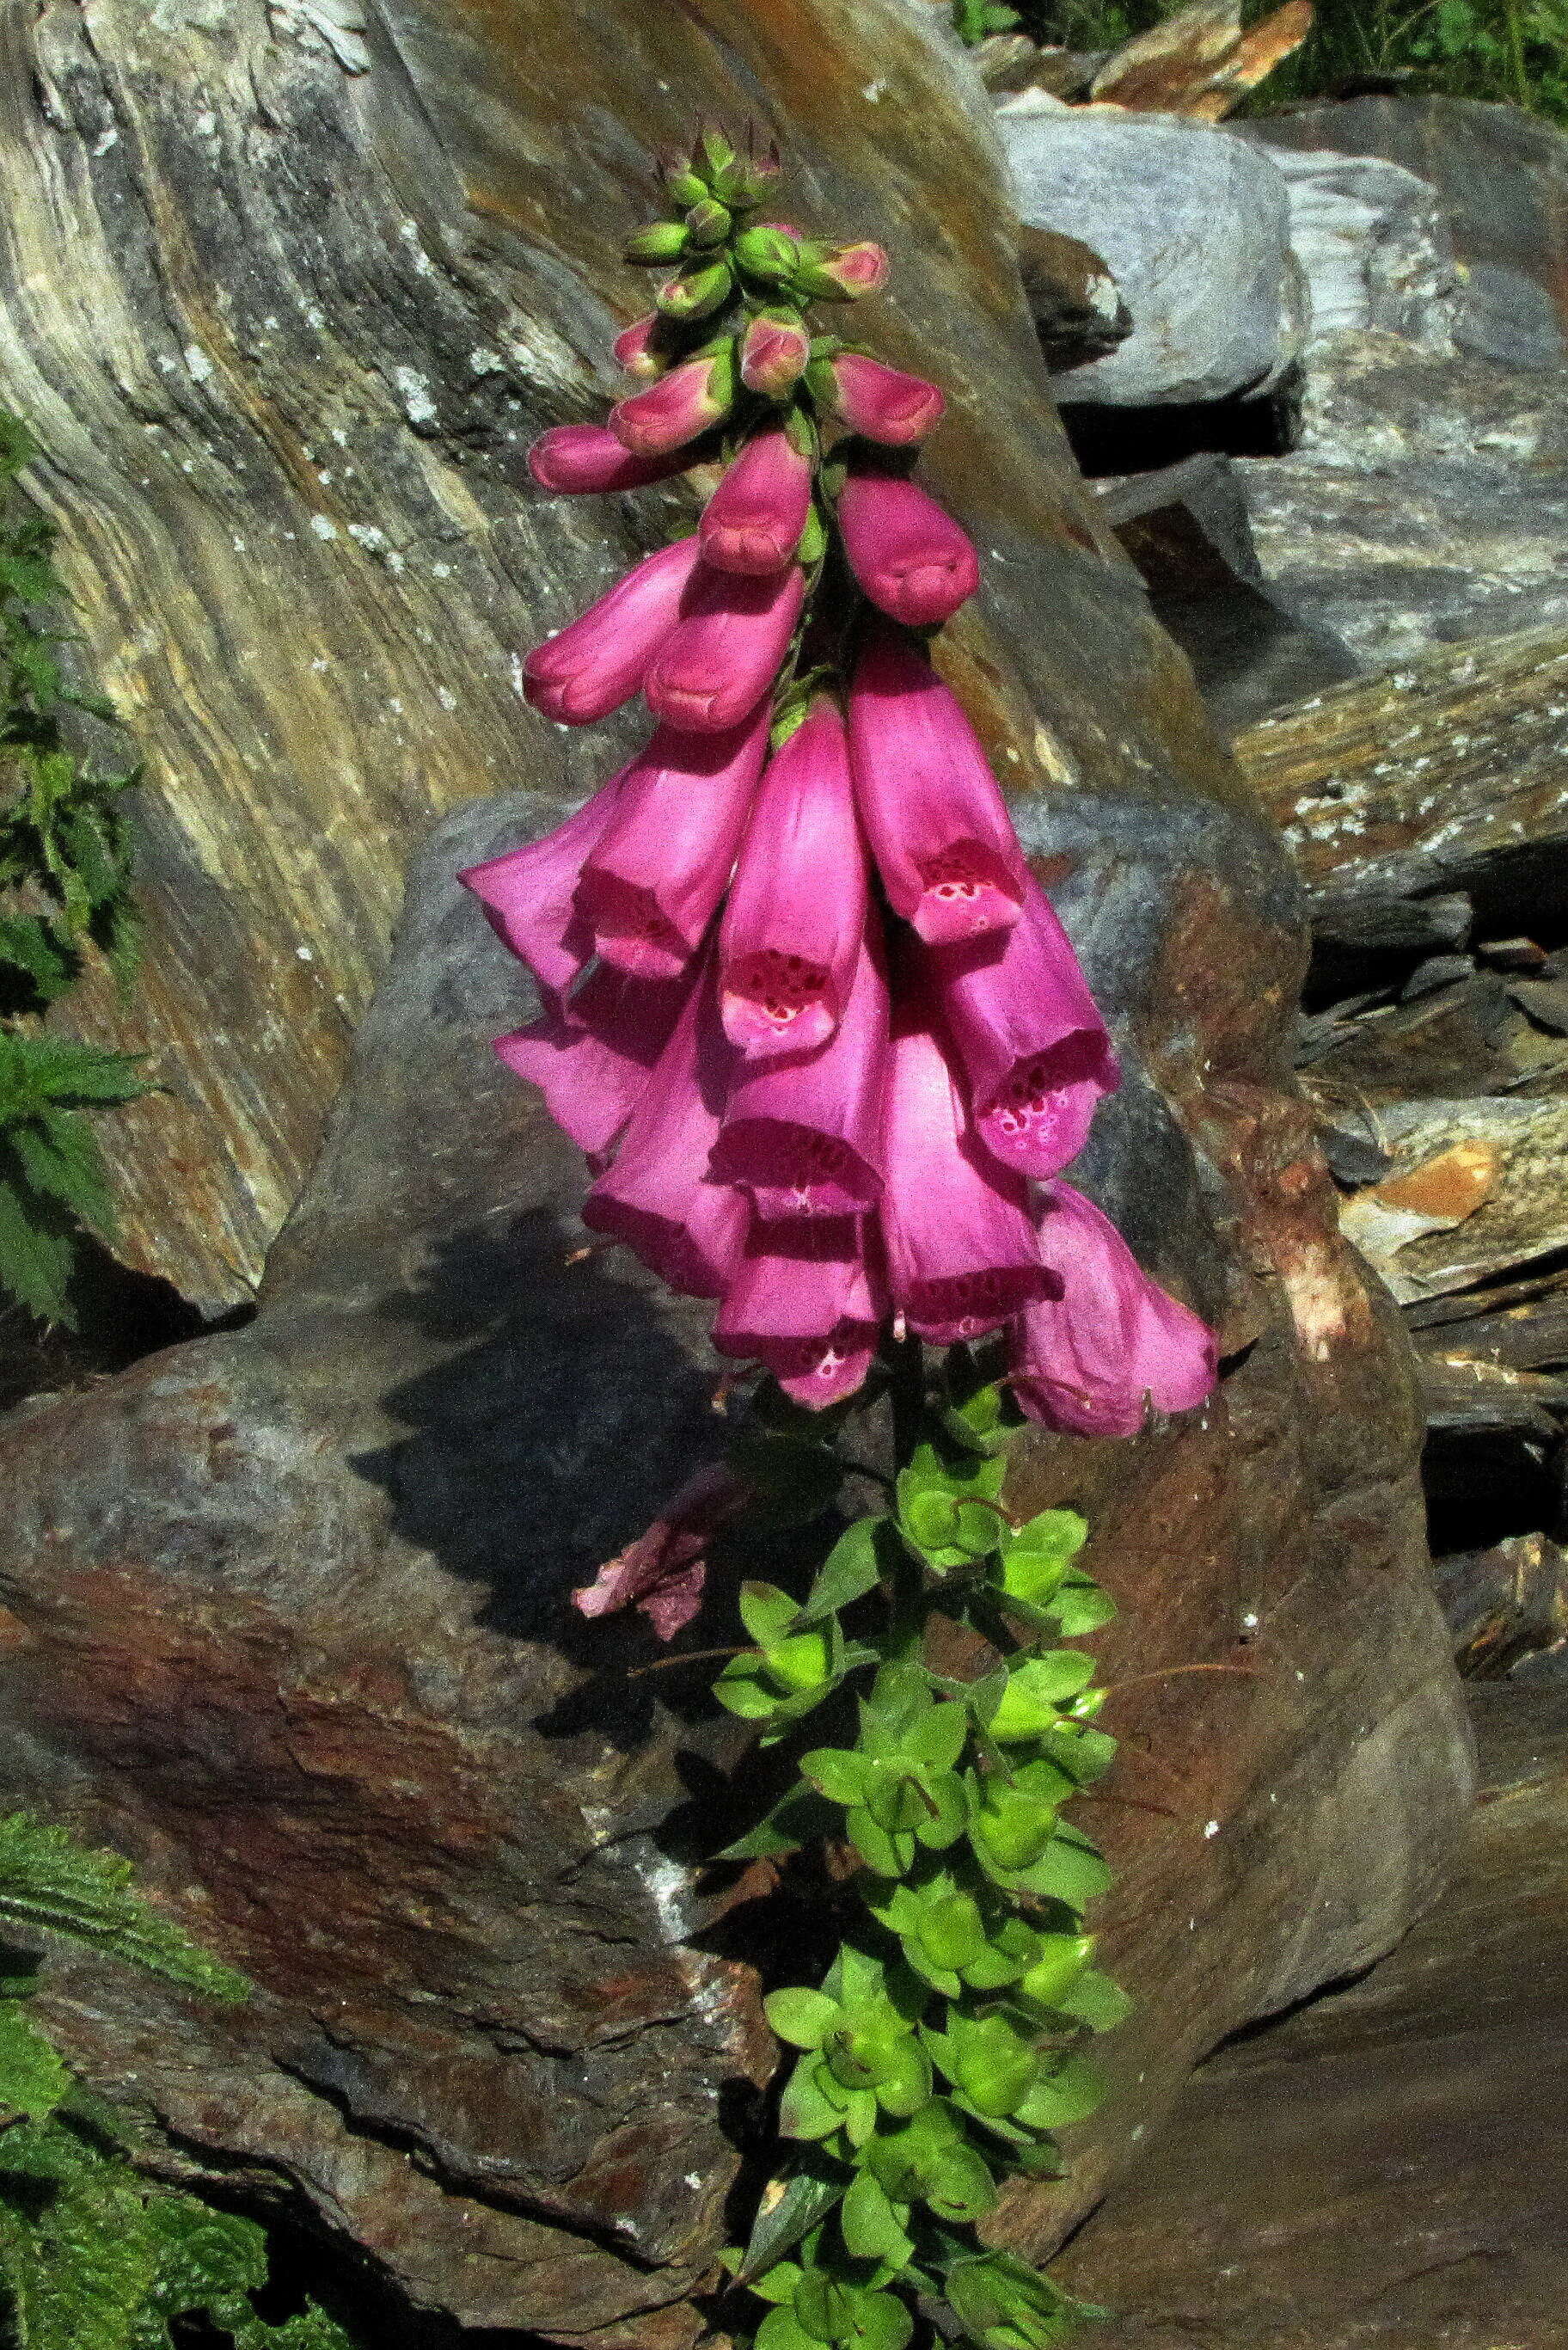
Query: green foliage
973,20
93,2256
942,2050
64,866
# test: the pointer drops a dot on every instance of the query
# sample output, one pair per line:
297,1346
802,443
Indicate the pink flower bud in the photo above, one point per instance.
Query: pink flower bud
804,1304
659,1197
638,348
592,1059
652,882
715,668
599,660
963,1256
583,457
774,351
796,910
528,895
882,402
933,813
1029,1037
912,558
1113,1342
843,274
755,518
683,404
803,1135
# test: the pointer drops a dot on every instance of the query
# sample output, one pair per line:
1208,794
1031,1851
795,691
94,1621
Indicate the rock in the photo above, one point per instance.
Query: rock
1193,223
1449,774
1186,528
1372,244
1426,500
1198,61
1373,2169
1504,1603
1502,178
1078,314
1525,1336
1457,1043
1476,1192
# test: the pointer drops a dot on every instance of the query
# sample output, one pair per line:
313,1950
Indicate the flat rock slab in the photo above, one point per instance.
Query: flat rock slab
1383,2170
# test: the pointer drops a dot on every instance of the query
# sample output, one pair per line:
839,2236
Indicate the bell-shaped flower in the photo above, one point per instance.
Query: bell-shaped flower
592,1058
713,669
639,349
1028,1039
775,350
796,910
651,882
805,1302
910,557
1114,1343
880,402
933,812
659,1197
755,518
688,401
598,662
528,894
574,458
963,1255
804,1134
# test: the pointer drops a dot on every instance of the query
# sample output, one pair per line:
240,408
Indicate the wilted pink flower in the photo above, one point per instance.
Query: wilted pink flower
805,1304
881,402
1113,1342
662,1572
636,347
796,910
1028,1039
599,660
592,1058
652,882
715,668
910,557
755,518
933,813
804,1134
963,1255
683,404
528,895
659,1197
584,457
774,351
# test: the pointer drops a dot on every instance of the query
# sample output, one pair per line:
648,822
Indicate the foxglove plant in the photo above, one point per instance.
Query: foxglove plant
828,1050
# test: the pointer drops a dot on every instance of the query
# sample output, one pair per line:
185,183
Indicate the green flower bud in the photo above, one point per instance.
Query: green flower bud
684,187
698,292
708,223
766,253
664,241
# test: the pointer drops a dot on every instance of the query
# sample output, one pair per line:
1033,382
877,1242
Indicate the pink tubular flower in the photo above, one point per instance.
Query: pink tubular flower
805,1304
636,347
755,518
651,882
912,558
576,458
882,402
599,660
663,1571
775,353
659,1197
716,666
963,1255
803,1135
796,910
1028,1039
592,1059
933,812
528,895
683,404
1095,1358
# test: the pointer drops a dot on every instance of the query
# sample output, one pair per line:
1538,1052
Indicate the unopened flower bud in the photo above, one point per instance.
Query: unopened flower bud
638,350
680,406
773,352
841,274
766,252
664,241
881,403
698,292
737,183
682,185
708,223
713,152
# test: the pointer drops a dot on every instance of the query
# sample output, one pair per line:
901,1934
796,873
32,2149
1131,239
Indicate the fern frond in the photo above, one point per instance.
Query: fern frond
51,1884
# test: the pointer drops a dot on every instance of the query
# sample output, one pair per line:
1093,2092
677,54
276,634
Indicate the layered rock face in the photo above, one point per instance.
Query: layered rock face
288,1606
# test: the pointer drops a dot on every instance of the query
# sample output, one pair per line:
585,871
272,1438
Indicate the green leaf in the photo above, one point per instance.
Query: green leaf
853,1566
796,1479
779,2331
804,2110
807,2198
50,1883
739,1687
1070,1870
1034,1691
837,1772
1068,2094
888,1855
767,1612
797,1818
33,2080
37,1252
803,2017
1080,1607
873,2225
1095,2000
